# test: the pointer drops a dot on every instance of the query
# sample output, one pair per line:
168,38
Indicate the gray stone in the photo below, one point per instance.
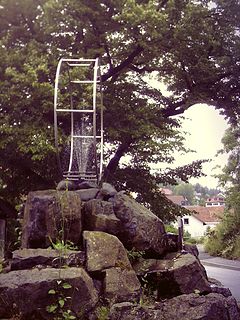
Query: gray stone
98,215
232,307
172,242
141,229
25,292
184,307
190,307
66,185
29,258
172,277
104,251
50,215
107,191
191,248
86,185
87,194
121,285
221,290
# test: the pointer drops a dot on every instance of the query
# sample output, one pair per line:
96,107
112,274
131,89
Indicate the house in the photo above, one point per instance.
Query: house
180,200
201,219
166,191
215,201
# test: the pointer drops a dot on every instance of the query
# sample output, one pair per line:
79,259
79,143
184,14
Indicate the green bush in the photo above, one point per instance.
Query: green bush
170,228
225,239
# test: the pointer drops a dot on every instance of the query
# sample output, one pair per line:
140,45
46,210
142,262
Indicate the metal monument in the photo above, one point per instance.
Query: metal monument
78,119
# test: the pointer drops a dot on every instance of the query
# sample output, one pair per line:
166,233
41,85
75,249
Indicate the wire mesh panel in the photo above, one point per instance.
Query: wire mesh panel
78,119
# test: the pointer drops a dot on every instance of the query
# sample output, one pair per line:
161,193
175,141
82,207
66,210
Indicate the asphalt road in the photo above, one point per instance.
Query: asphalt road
229,278
224,270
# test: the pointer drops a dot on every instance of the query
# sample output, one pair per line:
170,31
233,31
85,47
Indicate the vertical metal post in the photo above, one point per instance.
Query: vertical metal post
180,233
2,238
94,103
55,114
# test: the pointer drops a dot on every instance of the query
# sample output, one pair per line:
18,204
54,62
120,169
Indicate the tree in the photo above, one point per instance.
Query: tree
190,46
225,240
186,190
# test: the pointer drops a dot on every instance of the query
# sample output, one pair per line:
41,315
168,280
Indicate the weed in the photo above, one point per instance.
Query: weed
60,307
102,313
135,255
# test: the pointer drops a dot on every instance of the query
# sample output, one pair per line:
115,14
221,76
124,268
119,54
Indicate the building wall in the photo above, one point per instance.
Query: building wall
215,204
195,227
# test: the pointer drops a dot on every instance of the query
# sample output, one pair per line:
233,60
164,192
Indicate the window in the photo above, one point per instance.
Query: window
185,220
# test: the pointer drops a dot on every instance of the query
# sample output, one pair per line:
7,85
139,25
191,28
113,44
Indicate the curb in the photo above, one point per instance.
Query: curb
219,265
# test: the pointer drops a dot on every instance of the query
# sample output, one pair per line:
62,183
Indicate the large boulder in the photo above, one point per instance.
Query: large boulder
121,285
26,292
50,215
181,273
87,194
141,229
210,307
107,191
185,307
106,255
104,251
98,215
28,258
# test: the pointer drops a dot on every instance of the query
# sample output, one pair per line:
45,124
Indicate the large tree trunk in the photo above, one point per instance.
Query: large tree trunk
114,162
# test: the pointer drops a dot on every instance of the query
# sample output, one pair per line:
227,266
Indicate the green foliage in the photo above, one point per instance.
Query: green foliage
137,40
59,308
63,246
102,313
63,291
134,255
186,190
224,240
170,228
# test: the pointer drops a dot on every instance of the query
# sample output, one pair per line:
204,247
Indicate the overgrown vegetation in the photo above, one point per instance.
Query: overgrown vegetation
225,239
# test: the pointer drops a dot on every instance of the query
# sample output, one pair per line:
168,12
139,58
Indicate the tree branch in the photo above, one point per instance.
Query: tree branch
114,71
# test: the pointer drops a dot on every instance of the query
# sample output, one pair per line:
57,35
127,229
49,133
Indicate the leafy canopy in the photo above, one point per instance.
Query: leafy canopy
190,46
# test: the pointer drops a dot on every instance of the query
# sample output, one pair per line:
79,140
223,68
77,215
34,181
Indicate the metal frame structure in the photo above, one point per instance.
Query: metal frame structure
94,67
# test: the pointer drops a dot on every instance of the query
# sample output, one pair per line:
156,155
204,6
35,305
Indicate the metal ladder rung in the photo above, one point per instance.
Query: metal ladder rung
88,173
78,60
76,174
84,81
79,64
85,137
75,110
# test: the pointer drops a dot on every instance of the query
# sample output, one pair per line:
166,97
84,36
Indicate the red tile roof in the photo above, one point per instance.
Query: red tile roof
207,214
166,191
180,200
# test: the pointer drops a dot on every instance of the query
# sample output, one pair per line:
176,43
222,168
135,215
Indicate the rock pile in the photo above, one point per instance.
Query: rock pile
128,268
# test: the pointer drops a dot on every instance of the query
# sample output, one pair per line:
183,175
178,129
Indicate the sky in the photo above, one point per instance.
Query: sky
205,127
